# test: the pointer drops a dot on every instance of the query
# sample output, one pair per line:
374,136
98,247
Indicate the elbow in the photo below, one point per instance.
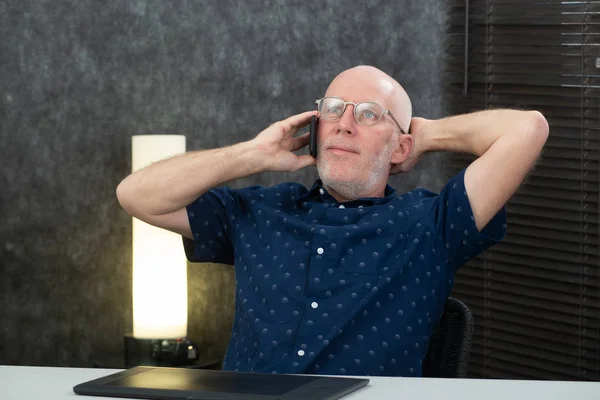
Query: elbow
124,196
538,128
531,131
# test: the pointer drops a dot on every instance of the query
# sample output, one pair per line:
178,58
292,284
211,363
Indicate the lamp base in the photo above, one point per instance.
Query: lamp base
180,352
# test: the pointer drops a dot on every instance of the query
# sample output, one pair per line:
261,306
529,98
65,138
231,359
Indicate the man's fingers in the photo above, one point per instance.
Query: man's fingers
400,168
291,124
300,141
305,161
300,120
396,169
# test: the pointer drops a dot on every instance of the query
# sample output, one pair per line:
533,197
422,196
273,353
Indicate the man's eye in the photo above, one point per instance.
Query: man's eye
368,114
334,110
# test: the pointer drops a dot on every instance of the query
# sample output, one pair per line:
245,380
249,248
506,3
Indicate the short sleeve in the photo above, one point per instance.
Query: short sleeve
454,222
210,218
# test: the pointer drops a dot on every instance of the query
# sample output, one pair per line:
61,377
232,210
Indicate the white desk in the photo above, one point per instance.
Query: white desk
37,383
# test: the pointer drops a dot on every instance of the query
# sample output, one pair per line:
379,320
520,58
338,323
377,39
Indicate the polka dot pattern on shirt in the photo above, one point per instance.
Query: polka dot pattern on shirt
327,289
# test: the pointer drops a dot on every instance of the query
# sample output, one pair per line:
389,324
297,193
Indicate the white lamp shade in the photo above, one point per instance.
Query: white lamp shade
159,262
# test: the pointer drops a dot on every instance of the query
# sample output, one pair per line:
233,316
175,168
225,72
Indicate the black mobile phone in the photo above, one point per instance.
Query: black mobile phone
312,145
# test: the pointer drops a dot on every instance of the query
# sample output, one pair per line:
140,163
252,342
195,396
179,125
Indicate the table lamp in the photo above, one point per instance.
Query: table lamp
159,277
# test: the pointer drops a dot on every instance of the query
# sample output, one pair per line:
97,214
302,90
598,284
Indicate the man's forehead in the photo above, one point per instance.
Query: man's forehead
356,91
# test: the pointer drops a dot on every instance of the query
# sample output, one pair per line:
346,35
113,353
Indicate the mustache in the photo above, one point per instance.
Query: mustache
337,143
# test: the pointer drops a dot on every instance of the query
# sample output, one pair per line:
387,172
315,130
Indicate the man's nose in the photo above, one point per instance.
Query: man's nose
346,123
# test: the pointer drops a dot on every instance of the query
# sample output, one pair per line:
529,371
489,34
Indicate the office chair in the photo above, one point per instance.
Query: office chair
450,345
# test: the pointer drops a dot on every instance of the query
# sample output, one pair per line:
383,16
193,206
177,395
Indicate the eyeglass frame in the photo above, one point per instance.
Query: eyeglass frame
385,111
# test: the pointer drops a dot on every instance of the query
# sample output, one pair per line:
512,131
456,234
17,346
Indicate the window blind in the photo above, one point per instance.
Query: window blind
535,296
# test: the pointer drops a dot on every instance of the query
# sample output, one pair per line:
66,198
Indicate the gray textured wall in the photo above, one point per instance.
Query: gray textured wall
79,77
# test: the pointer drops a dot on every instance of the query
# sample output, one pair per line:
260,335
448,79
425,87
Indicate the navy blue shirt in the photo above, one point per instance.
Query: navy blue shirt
323,287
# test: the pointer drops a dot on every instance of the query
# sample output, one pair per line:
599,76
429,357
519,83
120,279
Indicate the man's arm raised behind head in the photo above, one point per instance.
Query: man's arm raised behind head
507,143
159,193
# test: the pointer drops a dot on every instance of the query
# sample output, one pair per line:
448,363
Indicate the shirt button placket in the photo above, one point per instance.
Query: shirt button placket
307,332
317,266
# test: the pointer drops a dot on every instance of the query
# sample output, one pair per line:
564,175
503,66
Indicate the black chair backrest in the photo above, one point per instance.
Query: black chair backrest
450,345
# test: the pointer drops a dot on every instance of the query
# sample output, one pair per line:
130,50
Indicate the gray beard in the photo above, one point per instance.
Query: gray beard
354,189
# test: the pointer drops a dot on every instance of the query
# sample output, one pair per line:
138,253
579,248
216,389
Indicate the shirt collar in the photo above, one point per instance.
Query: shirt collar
317,191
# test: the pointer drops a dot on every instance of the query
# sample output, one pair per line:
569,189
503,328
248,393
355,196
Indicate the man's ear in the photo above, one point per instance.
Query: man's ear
405,145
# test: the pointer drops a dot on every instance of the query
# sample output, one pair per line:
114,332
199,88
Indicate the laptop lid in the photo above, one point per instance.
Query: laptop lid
191,384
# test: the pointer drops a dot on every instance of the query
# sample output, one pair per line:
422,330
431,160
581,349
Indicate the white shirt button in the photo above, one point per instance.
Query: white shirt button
314,304
300,353
320,250
342,206
321,191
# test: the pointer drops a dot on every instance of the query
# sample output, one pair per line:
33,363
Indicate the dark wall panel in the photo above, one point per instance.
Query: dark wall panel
78,78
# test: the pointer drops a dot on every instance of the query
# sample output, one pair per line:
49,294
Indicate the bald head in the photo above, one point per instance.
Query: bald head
374,84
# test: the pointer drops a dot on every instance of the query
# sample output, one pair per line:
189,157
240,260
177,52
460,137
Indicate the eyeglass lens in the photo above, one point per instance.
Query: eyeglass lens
366,113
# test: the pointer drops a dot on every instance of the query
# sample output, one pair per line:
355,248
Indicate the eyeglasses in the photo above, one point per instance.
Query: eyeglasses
366,113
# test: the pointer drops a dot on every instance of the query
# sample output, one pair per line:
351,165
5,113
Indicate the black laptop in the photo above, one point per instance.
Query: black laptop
196,384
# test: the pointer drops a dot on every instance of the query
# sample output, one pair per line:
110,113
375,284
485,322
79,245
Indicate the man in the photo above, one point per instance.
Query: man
347,277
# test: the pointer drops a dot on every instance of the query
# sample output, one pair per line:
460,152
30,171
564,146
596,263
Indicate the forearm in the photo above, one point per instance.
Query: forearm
475,133
507,144
172,184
